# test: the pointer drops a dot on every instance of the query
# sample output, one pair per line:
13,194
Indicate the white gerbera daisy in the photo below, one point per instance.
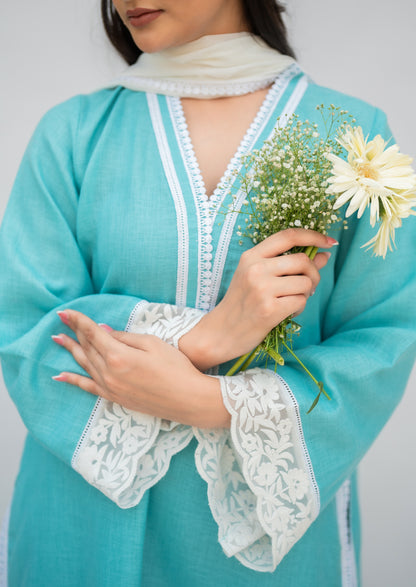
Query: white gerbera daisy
377,176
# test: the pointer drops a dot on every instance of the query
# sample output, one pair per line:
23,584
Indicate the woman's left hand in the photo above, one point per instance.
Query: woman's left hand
142,373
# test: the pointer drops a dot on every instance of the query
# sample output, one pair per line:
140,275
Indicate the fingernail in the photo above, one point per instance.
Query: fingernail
63,316
105,327
331,241
60,377
58,339
327,254
312,292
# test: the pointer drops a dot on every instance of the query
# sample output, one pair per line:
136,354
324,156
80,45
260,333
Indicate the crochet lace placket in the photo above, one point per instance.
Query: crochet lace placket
209,274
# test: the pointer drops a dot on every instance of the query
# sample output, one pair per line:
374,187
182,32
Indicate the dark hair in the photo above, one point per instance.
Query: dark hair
264,17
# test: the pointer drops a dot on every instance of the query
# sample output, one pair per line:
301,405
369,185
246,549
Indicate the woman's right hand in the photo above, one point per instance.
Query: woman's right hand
266,288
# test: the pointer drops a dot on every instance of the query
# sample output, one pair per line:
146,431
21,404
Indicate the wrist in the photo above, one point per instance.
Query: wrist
209,408
203,345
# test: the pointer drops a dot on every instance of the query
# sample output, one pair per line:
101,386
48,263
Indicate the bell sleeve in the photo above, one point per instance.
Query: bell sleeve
269,478
43,270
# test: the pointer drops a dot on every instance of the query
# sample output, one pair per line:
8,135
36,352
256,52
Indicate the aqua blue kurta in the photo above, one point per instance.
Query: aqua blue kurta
109,209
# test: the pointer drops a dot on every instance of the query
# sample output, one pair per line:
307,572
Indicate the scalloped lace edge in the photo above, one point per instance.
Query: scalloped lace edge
122,452
207,207
281,85
294,479
178,88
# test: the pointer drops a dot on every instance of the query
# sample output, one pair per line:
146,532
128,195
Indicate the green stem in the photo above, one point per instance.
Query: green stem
321,389
249,359
239,362
311,252
243,362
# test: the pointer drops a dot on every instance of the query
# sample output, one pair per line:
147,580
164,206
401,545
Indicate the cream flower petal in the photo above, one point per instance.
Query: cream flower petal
399,172
374,175
356,203
342,187
399,183
383,239
374,210
344,198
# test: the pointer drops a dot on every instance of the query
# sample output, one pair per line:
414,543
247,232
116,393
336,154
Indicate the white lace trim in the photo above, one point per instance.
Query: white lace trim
178,88
254,131
259,484
300,439
261,488
269,106
137,308
165,321
123,452
200,199
207,208
348,562
294,100
4,543
176,191
229,223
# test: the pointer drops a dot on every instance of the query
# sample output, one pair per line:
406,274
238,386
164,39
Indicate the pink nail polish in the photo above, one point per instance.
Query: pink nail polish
105,327
58,339
63,316
332,241
60,377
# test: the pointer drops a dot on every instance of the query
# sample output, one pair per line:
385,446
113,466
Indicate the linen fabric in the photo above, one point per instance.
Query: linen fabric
101,209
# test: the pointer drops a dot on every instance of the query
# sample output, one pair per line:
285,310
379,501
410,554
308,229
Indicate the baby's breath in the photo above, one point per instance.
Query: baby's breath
288,179
286,186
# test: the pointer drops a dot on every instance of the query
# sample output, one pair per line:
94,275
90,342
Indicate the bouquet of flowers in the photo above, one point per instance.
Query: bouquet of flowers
299,179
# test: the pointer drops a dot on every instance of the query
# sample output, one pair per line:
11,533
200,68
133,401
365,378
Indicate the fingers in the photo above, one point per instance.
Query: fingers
85,383
283,241
90,361
94,339
293,286
292,305
321,259
297,264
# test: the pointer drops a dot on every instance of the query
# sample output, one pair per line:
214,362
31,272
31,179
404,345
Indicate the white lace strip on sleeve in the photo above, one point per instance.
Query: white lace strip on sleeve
261,487
122,452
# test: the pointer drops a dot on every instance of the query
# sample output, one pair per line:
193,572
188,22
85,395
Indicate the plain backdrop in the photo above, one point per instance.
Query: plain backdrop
52,50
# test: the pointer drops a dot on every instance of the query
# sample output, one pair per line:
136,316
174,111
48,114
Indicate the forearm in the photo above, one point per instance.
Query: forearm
207,345
141,372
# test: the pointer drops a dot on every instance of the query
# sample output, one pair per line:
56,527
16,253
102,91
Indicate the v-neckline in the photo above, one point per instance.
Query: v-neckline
214,201
199,235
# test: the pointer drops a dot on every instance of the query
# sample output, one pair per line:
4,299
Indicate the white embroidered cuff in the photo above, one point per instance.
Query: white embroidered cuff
166,321
261,486
122,452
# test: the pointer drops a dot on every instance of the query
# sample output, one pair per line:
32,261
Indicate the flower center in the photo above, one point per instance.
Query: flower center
366,170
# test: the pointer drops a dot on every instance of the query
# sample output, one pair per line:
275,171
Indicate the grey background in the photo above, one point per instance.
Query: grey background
52,50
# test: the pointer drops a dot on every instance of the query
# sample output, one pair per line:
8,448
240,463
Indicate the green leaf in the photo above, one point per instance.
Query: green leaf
276,356
315,401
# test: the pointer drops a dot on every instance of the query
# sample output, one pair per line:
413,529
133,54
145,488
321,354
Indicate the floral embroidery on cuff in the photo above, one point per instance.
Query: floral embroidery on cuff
261,487
122,452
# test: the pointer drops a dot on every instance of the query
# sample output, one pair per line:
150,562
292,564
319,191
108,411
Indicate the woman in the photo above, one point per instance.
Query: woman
157,262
